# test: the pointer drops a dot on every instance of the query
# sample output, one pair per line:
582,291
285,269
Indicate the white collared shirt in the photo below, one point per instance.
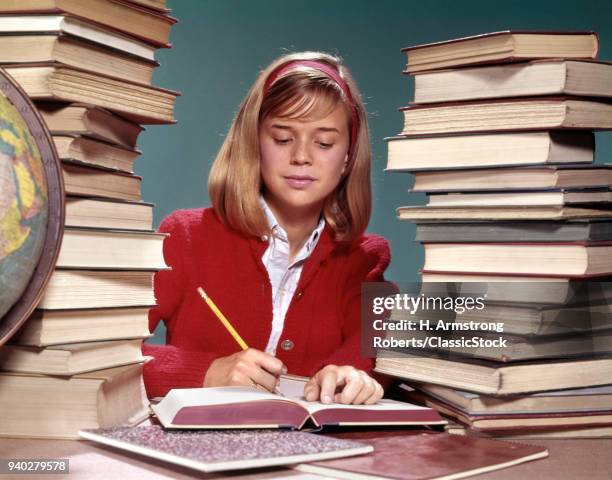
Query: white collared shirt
284,277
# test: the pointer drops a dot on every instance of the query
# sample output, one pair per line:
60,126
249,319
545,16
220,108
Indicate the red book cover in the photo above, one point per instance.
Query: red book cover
418,455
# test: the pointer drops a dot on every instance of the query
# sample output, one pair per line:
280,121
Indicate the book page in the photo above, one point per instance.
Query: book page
292,386
383,404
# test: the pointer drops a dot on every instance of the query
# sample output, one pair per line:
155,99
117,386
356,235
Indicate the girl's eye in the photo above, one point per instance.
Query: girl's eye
325,145
282,141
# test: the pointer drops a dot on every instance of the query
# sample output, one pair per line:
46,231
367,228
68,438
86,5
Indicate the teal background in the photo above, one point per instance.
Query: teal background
220,46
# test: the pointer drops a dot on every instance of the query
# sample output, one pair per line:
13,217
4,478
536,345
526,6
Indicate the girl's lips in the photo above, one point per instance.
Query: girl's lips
299,182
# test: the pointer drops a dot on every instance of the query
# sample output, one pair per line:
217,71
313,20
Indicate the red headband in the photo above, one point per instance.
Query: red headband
331,73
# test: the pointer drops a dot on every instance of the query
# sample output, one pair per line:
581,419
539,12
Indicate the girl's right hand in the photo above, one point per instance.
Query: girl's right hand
249,367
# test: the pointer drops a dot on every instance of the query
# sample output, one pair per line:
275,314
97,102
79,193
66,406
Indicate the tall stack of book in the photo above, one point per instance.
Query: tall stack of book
500,137
87,65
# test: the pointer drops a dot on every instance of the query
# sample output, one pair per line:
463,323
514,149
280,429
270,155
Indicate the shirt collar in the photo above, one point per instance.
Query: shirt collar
280,233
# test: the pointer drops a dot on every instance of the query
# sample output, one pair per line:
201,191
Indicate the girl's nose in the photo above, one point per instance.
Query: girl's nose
300,153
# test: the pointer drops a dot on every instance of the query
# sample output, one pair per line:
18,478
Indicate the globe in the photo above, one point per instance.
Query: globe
31,206
24,205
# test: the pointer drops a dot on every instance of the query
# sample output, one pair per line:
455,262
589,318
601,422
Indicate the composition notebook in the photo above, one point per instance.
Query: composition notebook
245,407
214,451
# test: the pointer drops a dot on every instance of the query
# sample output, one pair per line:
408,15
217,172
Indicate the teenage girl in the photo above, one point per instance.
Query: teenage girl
282,251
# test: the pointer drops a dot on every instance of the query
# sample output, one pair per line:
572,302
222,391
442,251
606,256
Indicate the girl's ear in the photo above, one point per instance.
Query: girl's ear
344,164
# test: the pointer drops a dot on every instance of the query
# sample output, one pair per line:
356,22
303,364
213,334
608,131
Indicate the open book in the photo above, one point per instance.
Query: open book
246,407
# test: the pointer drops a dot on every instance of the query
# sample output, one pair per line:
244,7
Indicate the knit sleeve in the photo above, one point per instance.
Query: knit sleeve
168,285
367,263
171,366
174,367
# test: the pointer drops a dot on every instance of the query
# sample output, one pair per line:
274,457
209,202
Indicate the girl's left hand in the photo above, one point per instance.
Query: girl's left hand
343,384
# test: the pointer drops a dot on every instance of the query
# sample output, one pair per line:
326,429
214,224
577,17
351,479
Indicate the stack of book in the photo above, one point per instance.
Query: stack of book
500,137
87,65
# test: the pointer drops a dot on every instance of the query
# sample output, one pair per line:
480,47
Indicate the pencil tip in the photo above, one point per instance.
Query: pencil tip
202,292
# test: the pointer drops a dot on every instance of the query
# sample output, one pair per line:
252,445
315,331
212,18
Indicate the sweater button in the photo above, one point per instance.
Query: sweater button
299,294
264,238
287,345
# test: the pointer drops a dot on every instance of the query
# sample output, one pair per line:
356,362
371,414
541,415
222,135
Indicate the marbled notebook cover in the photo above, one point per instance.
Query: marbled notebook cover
215,450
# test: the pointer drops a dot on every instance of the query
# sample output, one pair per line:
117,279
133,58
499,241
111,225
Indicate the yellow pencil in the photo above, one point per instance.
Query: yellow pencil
222,319
229,328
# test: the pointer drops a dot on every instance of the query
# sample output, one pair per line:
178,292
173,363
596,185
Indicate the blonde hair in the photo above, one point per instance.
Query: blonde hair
234,183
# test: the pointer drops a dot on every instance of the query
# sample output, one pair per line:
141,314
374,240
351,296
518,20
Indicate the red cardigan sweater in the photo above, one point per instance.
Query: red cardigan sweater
322,324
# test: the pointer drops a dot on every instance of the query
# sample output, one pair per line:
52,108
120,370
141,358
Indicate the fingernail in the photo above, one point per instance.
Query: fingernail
326,399
284,370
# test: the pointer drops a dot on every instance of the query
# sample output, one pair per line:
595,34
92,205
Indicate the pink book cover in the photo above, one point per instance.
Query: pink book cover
419,455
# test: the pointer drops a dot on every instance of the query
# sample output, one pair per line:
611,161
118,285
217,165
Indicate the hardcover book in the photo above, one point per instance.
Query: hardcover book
433,152
86,180
504,46
72,52
541,77
531,421
494,378
95,153
111,249
433,213
517,178
158,5
600,196
76,27
81,289
90,122
139,102
419,455
148,25
589,399
454,428
524,322
244,407
535,113
45,406
525,289
108,213
510,349
58,327
516,231
70,359
579,260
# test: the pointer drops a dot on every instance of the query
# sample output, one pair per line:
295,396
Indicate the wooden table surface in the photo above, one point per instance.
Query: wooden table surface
569,459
